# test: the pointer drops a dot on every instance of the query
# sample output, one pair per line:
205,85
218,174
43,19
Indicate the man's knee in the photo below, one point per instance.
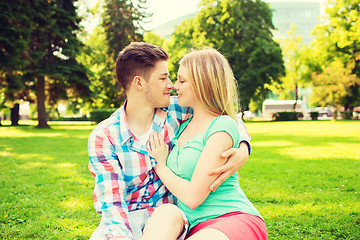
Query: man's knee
99,234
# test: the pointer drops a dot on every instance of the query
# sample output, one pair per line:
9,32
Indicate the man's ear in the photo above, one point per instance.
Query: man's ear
138,82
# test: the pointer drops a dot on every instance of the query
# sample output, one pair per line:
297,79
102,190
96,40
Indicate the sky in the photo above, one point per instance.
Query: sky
167,10
163,11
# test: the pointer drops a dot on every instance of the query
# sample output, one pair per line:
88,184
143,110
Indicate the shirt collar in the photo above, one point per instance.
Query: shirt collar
125,132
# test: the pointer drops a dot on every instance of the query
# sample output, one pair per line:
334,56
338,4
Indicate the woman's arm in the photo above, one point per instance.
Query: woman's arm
195,192
236,157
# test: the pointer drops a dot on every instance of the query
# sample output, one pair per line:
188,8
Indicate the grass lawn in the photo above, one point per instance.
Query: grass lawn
303,177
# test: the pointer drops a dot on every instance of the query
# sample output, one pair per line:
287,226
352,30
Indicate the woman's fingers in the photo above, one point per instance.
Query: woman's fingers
148,145
155,141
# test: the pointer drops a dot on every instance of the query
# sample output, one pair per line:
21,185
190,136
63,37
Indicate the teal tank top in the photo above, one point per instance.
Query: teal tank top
228,197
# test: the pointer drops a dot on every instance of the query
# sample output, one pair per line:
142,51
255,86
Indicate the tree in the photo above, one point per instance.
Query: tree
184,38
331,87
337,37
122,21
121,24
153,38
241,30
295,70
104,93
47,56
14,34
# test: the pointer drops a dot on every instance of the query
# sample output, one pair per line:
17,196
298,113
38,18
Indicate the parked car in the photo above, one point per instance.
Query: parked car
324,112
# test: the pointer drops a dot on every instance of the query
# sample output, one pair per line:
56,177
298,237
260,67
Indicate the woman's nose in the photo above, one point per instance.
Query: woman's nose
170,84
176,85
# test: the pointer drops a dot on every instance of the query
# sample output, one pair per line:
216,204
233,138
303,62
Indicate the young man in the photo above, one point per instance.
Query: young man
127,188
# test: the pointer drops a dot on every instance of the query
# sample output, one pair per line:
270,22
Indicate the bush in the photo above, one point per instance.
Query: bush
346,114
98,115
286,116
314,115
83,118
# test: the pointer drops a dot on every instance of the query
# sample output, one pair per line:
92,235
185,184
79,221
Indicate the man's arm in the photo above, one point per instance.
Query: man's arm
237,157
181,113
110,190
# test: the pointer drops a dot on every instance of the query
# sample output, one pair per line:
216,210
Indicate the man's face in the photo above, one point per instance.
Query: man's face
158,86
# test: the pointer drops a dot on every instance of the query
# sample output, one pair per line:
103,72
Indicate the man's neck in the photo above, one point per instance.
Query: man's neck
139,116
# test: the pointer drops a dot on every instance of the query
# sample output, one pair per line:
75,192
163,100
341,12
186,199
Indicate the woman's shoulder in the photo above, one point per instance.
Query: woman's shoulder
223,123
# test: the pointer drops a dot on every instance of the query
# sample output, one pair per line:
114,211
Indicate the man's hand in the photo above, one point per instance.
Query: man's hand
237,157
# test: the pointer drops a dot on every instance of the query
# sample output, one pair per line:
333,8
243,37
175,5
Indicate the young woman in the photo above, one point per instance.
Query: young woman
206,83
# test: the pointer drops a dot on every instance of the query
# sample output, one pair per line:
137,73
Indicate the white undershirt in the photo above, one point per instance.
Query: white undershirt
145,137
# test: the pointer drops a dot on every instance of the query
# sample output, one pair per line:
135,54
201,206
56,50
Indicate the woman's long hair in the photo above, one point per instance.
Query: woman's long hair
213,81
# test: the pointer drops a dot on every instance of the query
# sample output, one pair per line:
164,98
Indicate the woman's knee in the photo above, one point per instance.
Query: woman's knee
166,223
169,211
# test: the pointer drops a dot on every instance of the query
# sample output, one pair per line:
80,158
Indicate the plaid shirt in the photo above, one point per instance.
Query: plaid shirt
123,169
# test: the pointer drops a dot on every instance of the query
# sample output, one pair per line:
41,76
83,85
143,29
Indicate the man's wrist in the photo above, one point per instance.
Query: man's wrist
245,145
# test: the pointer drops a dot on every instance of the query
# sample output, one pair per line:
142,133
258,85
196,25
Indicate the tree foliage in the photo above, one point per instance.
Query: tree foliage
241,30
45,57
122,21
104,90
296,76
120,25
337,37
153,38
332,86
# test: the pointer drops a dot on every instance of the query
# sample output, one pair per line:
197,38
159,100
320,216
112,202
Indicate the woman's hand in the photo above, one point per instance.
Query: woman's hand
158,148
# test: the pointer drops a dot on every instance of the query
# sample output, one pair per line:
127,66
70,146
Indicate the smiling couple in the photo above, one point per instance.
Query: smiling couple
165,167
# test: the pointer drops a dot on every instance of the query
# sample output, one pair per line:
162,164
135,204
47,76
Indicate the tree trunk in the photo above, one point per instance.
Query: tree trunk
14,115
40,97
296,97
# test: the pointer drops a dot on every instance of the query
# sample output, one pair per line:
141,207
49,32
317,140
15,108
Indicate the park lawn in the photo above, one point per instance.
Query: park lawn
302,176
46,188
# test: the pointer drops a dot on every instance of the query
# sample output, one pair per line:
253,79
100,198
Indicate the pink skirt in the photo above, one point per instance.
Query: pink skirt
236,226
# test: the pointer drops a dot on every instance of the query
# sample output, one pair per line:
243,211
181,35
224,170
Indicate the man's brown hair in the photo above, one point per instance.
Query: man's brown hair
138,59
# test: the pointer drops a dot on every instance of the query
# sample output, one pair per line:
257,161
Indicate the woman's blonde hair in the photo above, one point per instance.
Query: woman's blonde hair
213,81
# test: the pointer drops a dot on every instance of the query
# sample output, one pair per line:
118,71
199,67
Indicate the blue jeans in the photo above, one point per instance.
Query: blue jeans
137,220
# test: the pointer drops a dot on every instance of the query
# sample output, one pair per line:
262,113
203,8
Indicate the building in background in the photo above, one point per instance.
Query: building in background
303,13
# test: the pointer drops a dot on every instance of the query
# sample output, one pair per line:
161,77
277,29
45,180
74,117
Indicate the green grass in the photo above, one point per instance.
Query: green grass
46,188
302,176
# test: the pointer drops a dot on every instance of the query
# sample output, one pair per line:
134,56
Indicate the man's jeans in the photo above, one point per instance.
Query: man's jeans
137,221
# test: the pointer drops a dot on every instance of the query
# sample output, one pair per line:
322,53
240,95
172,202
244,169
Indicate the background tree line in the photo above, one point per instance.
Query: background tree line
46,57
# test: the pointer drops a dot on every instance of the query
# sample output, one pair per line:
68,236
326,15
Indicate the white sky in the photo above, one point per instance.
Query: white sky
167,10
163,11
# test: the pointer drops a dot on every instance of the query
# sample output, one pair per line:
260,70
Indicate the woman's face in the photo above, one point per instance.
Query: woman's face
183,87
